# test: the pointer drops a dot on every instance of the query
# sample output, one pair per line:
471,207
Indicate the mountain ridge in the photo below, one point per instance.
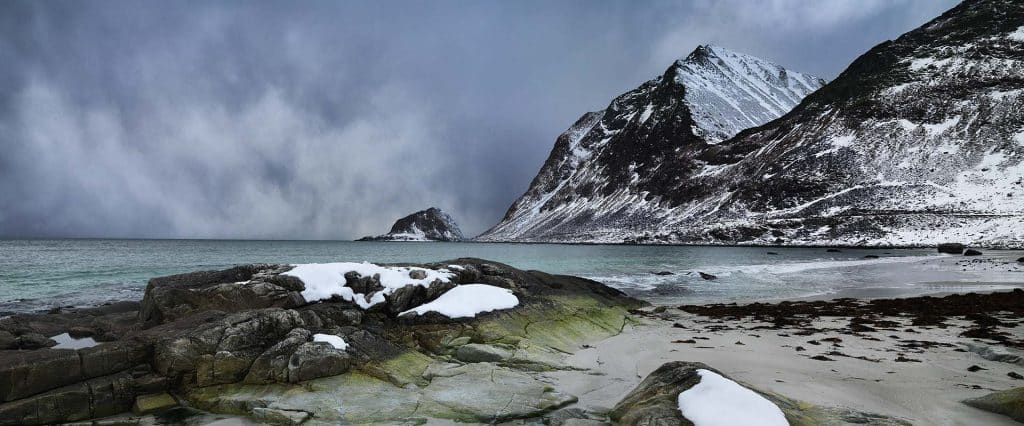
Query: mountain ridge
918,141
614,157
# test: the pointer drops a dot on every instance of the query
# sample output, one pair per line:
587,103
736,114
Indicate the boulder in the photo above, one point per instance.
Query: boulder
35,341
1009,403
707,276
972,252
314,360
409,297
1020,260
361,284
475,352
272,365
655,401
951,248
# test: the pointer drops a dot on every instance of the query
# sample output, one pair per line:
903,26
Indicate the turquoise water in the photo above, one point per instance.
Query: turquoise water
40,274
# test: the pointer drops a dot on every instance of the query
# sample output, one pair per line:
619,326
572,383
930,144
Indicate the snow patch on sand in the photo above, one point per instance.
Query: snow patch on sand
468,300
717,401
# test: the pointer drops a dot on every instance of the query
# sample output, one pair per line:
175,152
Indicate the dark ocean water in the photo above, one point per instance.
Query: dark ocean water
40,274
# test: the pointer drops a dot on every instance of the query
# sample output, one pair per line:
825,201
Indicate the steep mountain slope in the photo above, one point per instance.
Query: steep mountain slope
614,172
919,141
425,225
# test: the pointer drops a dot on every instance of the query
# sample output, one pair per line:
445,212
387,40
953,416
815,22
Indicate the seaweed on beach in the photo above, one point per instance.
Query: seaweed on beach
988,312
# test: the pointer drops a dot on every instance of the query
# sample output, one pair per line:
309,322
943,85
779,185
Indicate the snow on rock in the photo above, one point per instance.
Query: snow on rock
468,300
718,401
1017,35
336,341
324,280
65,341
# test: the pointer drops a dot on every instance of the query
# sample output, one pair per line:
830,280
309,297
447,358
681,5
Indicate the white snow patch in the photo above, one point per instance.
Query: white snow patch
647,113
336,341
1017,35
1019,137
842,140
717,401
935,129
324,280
907,125
1000,95
65,341
468,300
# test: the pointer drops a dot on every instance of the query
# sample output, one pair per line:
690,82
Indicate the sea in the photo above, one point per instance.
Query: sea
38,275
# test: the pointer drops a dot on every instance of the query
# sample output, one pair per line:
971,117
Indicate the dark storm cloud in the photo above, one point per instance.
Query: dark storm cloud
330,120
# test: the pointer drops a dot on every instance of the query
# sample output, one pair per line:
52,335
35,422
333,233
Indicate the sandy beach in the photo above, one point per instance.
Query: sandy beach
916,373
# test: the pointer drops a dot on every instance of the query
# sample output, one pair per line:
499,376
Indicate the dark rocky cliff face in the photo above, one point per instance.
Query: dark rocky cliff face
426,225
919,141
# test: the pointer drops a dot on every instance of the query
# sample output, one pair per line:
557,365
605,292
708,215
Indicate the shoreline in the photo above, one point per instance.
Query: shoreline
905,359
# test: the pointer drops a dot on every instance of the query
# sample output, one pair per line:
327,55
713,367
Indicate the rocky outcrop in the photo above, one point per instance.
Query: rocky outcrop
655,401
213,337
425,225
1008,402
232,290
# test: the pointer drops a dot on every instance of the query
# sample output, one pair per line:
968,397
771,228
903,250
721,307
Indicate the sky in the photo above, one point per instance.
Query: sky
330,120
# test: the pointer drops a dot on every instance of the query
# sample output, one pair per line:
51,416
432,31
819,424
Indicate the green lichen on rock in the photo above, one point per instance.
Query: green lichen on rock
562,322
400,370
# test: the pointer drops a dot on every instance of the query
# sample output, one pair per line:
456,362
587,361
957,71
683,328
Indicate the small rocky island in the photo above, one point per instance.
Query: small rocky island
464,340
431,224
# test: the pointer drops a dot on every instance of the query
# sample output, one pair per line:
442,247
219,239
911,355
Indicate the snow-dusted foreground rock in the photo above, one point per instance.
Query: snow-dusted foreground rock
465,340
336,342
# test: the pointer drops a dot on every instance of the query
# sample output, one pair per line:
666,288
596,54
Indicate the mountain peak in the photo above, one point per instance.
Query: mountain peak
619,157
729,91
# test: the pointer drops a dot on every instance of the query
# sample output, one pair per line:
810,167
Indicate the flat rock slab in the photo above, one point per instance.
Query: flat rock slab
478,393
484,392
145,404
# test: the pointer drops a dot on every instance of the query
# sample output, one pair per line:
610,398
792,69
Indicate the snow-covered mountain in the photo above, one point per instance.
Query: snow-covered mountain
919,141
614,173
425,225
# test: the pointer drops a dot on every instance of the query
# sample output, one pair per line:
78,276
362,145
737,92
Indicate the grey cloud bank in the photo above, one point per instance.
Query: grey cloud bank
332,119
